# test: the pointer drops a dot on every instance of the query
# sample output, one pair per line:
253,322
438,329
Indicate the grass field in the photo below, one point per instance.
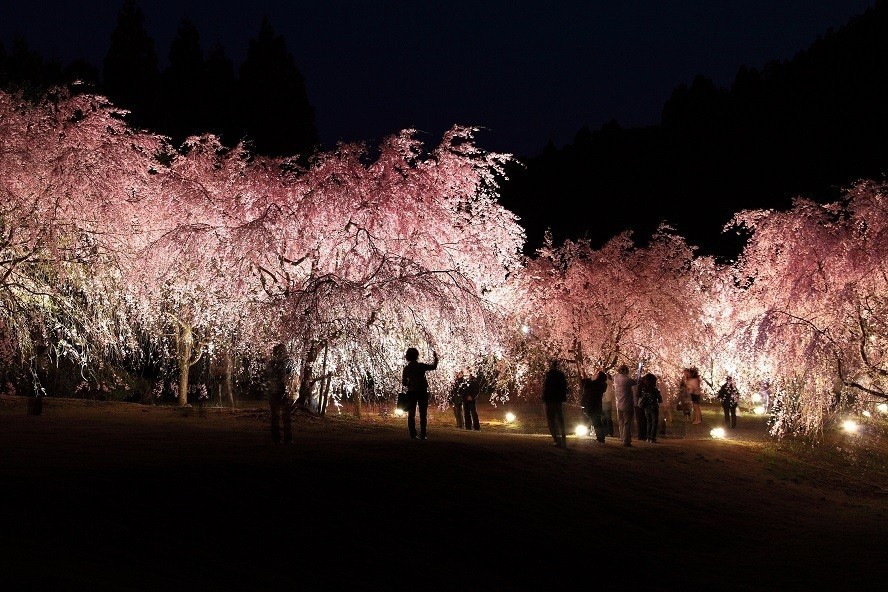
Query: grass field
120,496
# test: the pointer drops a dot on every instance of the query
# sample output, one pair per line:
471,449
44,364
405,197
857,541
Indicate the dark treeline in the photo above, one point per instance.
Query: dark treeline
265,101
807,126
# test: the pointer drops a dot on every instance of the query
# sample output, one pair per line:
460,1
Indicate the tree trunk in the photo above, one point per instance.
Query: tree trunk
229,378
184,345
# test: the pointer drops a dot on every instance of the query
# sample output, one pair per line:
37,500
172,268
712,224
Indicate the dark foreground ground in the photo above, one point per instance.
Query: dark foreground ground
115,496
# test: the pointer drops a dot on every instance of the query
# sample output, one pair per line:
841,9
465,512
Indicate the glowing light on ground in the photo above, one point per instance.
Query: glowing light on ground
866,413
756,398
717,432
510,417
850,426
400,412
581,430
758,410
882,408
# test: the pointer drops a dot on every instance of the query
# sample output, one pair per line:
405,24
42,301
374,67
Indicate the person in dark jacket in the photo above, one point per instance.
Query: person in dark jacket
275,377
470,391
730,398
650,399
417,387
554,396
456,400
592,394
607,406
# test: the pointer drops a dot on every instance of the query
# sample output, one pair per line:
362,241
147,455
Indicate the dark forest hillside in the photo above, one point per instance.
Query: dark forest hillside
807,126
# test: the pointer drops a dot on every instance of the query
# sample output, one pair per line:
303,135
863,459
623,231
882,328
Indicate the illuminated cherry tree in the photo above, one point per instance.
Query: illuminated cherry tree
369,256
111,240
815,285
598,308
68,168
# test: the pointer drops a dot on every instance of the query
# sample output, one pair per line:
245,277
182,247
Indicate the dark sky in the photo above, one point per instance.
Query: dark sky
527,72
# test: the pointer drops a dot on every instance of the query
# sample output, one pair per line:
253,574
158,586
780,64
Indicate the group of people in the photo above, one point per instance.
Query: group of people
464,393
643,408
634,398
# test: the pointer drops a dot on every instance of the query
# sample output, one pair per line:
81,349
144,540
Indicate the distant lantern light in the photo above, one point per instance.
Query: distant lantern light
882,408
399,412
758,410
850,426
581,430
717,433
510,417
866,413
756,398
525,329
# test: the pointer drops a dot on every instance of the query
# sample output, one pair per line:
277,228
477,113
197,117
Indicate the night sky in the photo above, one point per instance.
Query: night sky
526,72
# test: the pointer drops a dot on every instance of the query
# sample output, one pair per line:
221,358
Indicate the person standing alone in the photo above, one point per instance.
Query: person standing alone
554,396
417,387
730,398
275,378
692,385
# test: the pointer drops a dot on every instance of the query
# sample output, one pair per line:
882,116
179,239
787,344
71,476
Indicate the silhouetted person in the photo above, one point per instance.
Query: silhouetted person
469,393
554,396
650,398
607,406
456,398
592,395
275,378
730,398
417,387
641,423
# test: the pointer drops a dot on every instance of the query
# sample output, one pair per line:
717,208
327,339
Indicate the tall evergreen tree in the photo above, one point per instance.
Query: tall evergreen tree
131,75
274,108
184,85
221,96
4,75
26,71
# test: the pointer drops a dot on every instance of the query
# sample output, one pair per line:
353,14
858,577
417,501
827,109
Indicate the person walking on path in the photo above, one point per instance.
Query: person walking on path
417,387
275,377
554,396
470,391
650,400
592,395
730,398
456,399
692,385
625,401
